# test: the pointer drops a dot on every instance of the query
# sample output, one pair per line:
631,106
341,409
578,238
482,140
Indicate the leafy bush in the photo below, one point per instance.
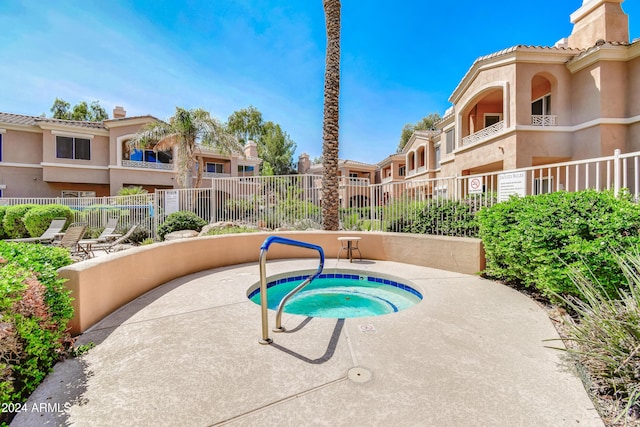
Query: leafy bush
3,234
438,216
181,220
37,220
538,240
35,308
13,221
606,337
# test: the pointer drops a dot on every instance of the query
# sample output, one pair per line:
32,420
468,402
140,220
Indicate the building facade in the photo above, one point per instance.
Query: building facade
530,105
45,157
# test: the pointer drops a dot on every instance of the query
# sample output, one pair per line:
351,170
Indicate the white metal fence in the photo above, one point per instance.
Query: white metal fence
294,201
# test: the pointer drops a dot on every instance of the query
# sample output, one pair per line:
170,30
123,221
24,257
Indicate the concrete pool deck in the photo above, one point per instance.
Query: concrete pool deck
187,354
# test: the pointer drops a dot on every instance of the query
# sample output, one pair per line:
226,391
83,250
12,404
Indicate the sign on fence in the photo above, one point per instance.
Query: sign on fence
475,185
171,202
511,183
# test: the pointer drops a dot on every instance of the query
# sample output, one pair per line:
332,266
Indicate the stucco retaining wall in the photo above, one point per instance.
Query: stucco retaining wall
101,285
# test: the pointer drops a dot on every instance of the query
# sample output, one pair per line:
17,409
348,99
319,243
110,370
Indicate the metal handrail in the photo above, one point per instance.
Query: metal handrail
263,281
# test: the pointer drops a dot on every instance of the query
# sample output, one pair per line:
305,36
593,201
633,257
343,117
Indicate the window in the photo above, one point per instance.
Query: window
73,193
150,156
450,140
73,148
437,157
245,169
402,170
541,106
0,151
491,119
543,185
214,167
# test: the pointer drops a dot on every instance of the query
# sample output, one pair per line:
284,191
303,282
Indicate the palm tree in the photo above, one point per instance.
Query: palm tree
330,196
187,131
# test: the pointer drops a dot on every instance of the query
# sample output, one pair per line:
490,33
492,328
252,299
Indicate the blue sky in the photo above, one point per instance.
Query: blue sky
400,60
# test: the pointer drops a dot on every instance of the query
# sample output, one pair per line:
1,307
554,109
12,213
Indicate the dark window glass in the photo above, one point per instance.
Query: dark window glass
136,155
0,149
82,149
64,147
491,120
149,156
536,108
214,167
164,157
450,140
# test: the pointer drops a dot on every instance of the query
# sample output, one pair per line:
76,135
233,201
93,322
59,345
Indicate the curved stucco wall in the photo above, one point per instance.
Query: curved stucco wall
101,285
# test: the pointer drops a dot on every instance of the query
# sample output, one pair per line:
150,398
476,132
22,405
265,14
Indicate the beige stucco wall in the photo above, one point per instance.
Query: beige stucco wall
22,147
101,285
23,182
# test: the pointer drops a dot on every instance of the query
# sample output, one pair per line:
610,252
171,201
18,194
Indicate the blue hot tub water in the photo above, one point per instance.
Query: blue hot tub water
340,295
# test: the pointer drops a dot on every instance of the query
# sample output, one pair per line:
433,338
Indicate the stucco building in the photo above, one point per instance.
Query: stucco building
531,105
45,157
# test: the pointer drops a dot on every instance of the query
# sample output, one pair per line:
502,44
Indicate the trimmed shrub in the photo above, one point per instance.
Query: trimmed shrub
13,221
35,308
37,220
3,234
181,220
538,240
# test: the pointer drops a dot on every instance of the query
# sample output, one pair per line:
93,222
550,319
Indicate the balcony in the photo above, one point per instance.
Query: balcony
147,165
483,134
215,175
543,120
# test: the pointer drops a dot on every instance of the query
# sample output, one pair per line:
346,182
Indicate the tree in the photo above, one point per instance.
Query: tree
276,149
81,111
186,131
246,124
427,123
330,125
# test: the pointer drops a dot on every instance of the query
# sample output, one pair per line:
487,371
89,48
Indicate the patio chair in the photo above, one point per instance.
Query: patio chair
55,227
71,239
109,231
92,245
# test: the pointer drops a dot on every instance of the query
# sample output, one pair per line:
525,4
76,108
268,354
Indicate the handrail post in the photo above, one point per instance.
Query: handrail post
263,281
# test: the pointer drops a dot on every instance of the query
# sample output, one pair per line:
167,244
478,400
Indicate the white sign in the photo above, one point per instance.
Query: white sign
171,204
511,183
475,186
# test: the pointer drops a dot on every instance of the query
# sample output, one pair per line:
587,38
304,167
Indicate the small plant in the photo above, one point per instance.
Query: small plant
131,191
606,336
181,220
231,230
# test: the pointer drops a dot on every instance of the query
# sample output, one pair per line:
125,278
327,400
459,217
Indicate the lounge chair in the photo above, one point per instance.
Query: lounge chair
55,227
91,245
71,239
109,231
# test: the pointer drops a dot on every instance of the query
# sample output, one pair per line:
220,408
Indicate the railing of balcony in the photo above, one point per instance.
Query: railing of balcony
147,165
543,120
483,134
215,175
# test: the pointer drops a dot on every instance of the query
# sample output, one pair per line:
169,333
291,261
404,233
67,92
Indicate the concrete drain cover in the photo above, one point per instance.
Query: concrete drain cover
359,375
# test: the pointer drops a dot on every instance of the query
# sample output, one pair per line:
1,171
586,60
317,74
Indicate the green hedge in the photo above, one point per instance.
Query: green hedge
37,220
538,240
13,221
3,234
35,308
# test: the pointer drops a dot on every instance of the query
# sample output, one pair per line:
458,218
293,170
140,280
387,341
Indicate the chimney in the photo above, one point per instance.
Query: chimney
251,149
119,112
599,20
304,164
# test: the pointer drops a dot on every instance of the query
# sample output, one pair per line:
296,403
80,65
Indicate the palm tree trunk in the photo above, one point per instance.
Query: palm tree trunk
330,195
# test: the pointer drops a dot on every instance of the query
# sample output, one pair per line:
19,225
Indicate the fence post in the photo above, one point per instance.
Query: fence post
616,172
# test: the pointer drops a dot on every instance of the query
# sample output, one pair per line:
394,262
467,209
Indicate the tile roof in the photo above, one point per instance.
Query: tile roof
19,119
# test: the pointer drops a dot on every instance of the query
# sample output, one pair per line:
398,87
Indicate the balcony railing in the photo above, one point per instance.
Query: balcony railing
483,134
543,120
147,165
215,175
